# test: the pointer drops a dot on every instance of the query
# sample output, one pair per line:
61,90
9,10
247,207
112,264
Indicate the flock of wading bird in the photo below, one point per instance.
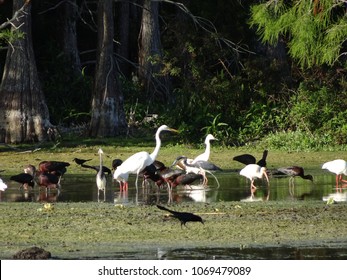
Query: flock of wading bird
144,164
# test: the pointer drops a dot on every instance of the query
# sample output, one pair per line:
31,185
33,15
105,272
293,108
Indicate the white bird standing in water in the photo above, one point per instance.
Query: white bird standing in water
3,186
137,162
337,166
254,171
101,178
206,155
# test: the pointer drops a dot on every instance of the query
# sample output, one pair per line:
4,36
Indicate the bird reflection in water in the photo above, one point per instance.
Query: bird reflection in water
292,172
253,172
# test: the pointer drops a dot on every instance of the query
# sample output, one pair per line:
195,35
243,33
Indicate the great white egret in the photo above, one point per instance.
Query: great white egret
254,171
206,155
137,162
337,166
101,177
249,159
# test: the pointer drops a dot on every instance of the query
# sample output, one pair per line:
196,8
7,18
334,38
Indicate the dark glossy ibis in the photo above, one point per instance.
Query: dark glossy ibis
295,171
26,180
115,163
249,159
57,168
185,179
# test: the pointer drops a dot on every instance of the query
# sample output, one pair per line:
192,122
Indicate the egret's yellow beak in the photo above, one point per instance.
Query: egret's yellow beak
173,130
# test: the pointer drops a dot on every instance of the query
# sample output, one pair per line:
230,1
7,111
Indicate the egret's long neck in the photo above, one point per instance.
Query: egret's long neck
100,161
208,149
155,152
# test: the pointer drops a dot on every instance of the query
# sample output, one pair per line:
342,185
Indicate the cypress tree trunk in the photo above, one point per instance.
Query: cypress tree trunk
68,18
23,111
124,48
108,117
150,54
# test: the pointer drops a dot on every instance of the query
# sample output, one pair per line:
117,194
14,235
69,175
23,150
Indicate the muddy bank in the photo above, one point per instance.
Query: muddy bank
231,229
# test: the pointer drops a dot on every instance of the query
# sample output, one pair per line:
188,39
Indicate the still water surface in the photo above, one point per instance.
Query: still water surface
225,186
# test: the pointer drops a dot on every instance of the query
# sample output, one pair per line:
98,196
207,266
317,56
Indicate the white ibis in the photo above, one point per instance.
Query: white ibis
206,155
101,180
337,166
3,186
137,162
249,159
254,171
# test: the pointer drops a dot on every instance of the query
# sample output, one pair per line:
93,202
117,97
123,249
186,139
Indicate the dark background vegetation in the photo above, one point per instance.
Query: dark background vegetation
242,92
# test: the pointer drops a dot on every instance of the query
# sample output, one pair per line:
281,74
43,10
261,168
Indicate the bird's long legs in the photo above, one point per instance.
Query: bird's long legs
291,186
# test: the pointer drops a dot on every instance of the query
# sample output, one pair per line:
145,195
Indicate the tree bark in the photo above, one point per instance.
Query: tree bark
108,117
68,18
24,114
124,48
156,84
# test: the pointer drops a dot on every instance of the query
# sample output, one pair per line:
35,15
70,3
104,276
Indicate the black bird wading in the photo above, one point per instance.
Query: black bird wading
184,217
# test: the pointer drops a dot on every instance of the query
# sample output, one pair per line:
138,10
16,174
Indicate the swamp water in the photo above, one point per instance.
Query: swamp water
226,186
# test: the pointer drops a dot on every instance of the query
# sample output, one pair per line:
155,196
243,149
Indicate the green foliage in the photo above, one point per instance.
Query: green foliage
294,141
7,36
319,111
216,128
315,30
259,120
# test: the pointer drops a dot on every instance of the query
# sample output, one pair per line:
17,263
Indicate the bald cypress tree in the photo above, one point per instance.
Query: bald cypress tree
315,31
108,116
24,114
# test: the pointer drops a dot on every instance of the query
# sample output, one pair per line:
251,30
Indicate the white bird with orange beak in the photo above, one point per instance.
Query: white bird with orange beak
254,171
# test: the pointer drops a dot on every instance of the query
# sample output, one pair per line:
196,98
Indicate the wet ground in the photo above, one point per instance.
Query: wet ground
301,221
